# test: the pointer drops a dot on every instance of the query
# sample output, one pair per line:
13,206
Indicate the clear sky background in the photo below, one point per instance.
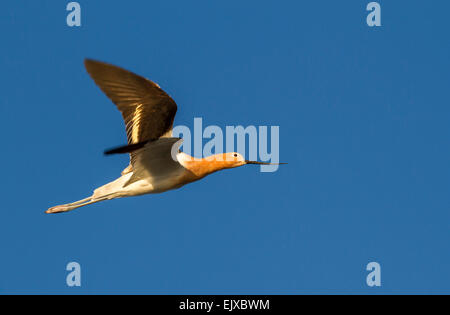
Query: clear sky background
364,125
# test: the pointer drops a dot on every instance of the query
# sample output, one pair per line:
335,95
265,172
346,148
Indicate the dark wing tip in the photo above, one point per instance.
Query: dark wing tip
88,63
126,148
94,66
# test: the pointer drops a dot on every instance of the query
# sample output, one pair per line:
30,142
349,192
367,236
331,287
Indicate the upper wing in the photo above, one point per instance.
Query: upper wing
147,110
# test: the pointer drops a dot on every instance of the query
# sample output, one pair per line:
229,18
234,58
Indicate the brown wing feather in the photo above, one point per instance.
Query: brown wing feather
147,110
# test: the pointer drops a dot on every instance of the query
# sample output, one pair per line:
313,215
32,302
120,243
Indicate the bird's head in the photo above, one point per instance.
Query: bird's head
232,160
226,160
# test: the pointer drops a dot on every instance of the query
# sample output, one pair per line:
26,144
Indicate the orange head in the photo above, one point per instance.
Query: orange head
225,160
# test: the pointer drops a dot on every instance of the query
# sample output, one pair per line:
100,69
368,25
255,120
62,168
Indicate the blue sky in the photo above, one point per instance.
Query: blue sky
364,125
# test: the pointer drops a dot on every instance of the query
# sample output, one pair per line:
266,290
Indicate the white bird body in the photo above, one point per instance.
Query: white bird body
168,181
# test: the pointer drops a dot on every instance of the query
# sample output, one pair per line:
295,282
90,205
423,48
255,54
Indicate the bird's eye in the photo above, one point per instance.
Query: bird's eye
235,155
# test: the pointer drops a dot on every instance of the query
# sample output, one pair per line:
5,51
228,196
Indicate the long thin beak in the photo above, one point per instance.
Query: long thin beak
262,163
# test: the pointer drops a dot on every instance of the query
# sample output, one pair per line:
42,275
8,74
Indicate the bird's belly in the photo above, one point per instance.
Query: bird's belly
140,187
154,185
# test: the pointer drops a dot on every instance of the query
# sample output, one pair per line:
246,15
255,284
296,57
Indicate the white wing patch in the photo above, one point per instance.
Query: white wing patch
136,123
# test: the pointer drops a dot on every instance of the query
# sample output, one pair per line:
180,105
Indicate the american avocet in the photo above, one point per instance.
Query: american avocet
156,164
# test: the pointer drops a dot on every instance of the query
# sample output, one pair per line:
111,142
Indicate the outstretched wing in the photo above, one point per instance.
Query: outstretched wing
147,110
156,160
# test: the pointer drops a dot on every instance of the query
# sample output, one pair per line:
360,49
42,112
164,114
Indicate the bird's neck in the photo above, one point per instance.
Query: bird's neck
200,168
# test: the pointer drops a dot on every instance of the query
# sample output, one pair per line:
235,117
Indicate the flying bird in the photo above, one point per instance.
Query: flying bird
156,163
